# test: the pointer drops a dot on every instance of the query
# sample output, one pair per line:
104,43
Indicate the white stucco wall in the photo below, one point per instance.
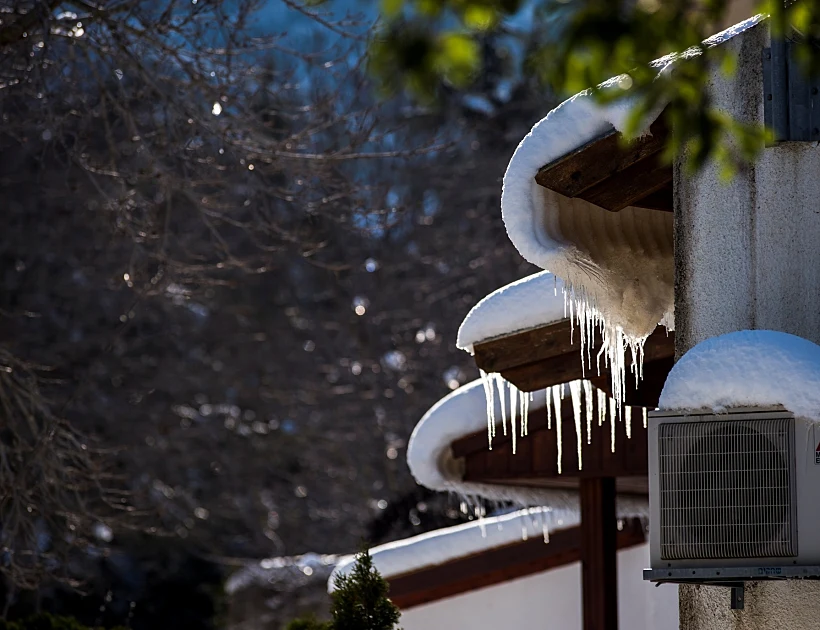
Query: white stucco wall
747,251
552,601
748,257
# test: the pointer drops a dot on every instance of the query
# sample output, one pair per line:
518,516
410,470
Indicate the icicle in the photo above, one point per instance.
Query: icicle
491,404
614,342
588,401
485,382
557,394
575,394
502,395
645,417
580,312
612,412
513,413
601,407
525,412
628,421
543,523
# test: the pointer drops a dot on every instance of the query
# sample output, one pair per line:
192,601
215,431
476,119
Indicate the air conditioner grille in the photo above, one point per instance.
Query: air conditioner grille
726,489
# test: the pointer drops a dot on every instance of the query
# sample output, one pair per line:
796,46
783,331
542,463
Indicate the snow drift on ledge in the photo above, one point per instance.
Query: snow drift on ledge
533,301
443,545
747,368
618,264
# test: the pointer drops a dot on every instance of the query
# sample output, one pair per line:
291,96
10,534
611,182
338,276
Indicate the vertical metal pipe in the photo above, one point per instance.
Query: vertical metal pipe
780,89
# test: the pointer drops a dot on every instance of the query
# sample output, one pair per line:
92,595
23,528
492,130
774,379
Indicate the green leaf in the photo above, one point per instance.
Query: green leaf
801,16
392,8
728,65
429,8
479,17
457,58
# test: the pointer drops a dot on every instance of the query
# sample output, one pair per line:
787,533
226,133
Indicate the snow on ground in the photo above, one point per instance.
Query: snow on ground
533,301
443,545
617,266
747,368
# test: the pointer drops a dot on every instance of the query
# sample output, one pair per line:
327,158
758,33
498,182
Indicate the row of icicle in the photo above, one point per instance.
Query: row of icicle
578,307
514,406
536,515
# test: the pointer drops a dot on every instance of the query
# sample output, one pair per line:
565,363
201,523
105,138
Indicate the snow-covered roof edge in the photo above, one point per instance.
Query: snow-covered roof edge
748,368
528,303
465,412
574,123
619,264
444,545
282,571
461,413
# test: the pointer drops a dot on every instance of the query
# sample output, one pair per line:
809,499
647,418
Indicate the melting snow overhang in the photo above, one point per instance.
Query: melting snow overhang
578,204
455,560
522,332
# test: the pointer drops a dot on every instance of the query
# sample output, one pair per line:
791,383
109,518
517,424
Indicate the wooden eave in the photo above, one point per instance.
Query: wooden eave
535,462
550,355
612,175
499,565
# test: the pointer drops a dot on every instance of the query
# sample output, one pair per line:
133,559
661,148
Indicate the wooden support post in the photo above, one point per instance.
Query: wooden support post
599,554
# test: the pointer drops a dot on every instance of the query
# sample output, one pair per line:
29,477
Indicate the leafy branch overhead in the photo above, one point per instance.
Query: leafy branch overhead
426,46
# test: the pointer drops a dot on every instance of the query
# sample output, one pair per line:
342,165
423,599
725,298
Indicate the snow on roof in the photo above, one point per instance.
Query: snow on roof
747,368
443,545
464,412
622,262
461,413
283,573
533,301
450,543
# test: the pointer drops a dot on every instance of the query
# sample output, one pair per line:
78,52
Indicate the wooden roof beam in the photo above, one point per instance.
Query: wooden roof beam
535,462
613,176
549,355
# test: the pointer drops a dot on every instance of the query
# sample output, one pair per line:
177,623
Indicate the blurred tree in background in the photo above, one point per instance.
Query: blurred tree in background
232,275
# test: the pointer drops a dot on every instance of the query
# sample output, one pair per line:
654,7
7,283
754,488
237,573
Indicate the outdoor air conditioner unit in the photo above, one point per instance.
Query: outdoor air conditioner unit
733,497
